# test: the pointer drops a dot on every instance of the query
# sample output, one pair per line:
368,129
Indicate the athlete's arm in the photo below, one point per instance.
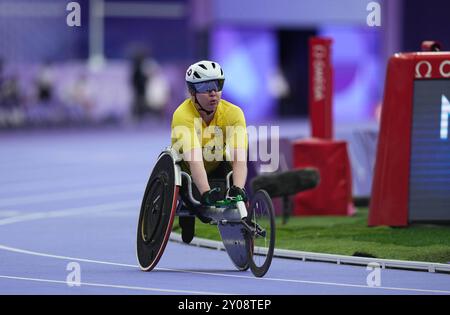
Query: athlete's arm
239,163
197,168
238,143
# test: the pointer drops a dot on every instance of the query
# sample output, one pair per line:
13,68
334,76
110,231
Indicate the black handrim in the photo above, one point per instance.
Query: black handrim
262,240
152,210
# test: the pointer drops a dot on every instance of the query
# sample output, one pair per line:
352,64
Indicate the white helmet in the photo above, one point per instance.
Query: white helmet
204,70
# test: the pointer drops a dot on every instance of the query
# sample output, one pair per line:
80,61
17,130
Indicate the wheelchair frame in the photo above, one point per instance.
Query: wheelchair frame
236,229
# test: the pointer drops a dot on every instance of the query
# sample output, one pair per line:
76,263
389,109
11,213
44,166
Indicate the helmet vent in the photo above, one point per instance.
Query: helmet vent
213,65
221,72
197,75
203,66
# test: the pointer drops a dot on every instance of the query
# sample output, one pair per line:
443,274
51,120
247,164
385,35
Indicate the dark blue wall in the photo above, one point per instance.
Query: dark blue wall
425,20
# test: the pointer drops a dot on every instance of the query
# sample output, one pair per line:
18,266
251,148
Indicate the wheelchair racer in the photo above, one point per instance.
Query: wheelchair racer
211,135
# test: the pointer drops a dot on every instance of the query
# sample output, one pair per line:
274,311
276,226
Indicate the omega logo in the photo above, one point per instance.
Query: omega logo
445,72
441,68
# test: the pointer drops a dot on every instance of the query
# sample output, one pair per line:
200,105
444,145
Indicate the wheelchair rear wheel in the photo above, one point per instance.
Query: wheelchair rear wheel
157,213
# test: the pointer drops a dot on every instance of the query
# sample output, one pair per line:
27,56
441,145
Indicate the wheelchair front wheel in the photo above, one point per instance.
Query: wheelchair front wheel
261,237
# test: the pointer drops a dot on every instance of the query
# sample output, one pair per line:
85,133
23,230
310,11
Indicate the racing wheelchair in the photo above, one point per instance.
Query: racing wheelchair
248,234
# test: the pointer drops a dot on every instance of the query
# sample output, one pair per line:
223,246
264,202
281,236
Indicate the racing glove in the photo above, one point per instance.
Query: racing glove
235,191
210,197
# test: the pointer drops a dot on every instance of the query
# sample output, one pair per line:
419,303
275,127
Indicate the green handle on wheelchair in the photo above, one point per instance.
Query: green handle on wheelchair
231,201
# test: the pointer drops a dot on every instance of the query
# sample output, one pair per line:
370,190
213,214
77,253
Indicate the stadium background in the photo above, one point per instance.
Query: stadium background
72,99
256,43
56,75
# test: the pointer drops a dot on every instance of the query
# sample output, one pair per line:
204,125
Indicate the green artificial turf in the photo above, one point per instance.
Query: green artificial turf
352,236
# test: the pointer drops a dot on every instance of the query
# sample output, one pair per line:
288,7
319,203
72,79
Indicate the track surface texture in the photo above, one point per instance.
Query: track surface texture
71,198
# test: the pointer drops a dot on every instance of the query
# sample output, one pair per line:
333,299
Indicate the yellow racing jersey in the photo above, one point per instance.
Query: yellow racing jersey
225,132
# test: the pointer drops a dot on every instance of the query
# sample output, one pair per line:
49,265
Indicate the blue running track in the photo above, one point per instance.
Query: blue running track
74,196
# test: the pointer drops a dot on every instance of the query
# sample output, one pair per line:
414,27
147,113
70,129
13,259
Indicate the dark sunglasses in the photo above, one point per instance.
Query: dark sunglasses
208,86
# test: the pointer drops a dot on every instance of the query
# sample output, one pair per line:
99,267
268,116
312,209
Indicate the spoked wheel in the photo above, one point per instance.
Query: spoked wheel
157,213
261,242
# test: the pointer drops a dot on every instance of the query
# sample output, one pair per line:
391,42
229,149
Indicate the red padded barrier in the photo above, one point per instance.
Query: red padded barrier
333,196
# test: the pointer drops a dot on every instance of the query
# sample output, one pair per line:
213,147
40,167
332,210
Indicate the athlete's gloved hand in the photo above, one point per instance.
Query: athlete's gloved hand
210,197
235,191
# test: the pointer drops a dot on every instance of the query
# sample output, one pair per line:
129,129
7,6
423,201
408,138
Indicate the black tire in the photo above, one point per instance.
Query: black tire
157,213
261,214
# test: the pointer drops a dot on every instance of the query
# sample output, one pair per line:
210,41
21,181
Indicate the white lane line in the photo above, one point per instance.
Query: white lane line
115,286
17,250
70,212
125,204
70,194
33,253
9,213
49,184
311,282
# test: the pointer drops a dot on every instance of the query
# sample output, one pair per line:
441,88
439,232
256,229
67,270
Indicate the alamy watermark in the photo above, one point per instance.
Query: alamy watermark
74,16
374,16
374,277
219,147
73,279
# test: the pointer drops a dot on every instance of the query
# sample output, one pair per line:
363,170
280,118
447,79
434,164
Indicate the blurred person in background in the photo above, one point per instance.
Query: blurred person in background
139,78
44,83
278,85
157,92
79,99
11,100
151,89
44,110
1,73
